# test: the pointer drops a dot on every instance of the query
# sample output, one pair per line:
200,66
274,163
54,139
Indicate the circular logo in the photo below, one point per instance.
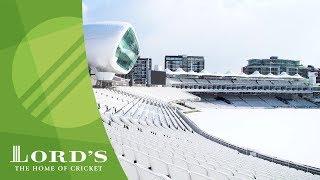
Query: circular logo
50,74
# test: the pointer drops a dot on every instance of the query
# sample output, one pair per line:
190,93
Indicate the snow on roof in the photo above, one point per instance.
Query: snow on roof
256,74
242,74
285,75
193,73
270,75
168,71
180,71
298,76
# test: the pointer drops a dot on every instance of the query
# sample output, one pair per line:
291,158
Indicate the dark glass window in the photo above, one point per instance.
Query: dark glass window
128,50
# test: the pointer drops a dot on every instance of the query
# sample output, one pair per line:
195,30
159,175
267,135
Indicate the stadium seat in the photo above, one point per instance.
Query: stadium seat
146,174
197,176
159,166
178,172
142,159
128,153
217,175
180,162
130,169
198,169
154,142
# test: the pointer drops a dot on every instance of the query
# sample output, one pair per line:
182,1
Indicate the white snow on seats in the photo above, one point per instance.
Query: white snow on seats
166,94
152,141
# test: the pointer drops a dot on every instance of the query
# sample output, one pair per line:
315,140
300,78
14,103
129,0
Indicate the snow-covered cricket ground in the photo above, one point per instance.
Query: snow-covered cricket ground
290,134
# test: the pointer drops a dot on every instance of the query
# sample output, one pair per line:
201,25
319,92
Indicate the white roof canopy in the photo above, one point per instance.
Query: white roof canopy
256,74
180,71
168,71
298,76
193,73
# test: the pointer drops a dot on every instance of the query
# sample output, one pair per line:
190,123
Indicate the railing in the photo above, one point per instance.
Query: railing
308,91
231,87
245,151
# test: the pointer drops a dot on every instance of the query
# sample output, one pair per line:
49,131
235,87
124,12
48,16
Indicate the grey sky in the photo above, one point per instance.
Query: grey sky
226,32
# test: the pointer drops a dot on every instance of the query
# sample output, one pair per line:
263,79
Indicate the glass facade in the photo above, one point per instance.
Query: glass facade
277,62
141,72
187,63
275,66
128,50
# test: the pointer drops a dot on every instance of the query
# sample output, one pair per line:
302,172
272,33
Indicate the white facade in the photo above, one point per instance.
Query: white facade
111,47
313,77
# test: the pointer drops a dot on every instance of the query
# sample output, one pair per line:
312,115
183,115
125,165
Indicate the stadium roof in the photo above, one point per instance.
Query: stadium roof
256,74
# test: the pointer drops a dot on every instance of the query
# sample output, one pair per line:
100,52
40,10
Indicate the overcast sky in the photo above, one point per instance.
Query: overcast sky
226,32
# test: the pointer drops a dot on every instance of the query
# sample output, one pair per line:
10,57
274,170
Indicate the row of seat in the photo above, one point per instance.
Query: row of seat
110,100
257,101
161,94
245,82
169,162
148,149
153,142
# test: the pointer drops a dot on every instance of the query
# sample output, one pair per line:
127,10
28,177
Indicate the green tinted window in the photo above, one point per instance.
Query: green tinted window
128,50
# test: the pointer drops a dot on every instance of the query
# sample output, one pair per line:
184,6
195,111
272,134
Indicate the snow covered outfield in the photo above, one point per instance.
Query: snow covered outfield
291,134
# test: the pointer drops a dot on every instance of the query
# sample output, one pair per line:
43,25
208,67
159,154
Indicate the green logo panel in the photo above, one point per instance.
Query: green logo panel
47,103
56,74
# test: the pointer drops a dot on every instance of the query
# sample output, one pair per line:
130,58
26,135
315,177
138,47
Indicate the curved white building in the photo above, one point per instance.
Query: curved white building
111,47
